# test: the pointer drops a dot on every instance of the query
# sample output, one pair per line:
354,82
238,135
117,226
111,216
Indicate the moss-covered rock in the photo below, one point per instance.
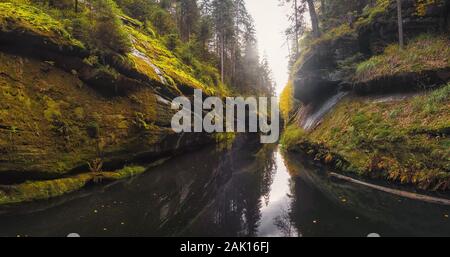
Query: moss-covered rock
403,140
46,189
328,63
47,116
424,62
25,24
65,105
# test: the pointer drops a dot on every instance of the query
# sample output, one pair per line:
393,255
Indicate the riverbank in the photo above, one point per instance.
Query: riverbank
360,104
404,140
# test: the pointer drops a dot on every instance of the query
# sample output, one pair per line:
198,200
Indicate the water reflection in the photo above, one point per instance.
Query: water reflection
325,207
246,191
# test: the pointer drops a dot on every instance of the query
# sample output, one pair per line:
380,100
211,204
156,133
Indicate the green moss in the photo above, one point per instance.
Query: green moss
401,140
292,136
173,69
334,33
25,18
129,171
370,14
57,124
65,125
53,109
426,52
39,190
143,67
79,113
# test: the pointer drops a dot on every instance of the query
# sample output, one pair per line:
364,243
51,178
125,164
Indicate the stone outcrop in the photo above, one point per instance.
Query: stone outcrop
58,112
329,63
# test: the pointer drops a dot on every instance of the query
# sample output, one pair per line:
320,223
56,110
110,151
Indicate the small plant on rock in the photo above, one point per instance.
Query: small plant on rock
96,166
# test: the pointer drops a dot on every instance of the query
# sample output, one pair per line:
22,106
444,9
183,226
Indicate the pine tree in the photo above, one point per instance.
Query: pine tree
189,18
314,18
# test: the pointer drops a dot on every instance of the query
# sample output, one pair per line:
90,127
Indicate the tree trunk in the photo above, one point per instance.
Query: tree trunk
314,18
400,24
76,6
296,27
222,56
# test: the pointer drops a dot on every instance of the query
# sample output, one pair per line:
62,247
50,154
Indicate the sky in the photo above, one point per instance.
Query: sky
271,21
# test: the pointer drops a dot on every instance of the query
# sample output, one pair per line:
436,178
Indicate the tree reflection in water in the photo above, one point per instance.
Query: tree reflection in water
285,225
236,208
244,191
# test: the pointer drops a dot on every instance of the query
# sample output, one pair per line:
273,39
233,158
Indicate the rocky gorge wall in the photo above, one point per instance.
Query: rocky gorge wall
393,122
330,63
66,121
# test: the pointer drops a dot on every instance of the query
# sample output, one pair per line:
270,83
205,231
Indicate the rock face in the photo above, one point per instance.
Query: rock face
328,64
58,112
403,82
371,131
319,76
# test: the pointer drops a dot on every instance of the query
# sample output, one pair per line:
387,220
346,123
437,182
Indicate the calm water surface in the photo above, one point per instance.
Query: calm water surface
242,192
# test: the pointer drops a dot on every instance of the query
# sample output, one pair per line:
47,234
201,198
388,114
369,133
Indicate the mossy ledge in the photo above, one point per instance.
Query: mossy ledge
394,122
24,24
403,140
46,189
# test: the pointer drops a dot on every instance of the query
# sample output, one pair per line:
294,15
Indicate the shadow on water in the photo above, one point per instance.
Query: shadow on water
246,191
343,209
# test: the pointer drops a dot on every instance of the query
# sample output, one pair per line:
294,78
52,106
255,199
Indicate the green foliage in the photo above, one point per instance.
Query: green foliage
53,104
163,22
371,13
80,28
141,122
426,52
28,19
126,172
292,136
38,190
340,27
180,67
435,100
139,9
441,95
404,140
172,41
107,29
41,190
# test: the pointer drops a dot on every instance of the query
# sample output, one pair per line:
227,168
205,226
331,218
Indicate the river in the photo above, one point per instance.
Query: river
244,191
